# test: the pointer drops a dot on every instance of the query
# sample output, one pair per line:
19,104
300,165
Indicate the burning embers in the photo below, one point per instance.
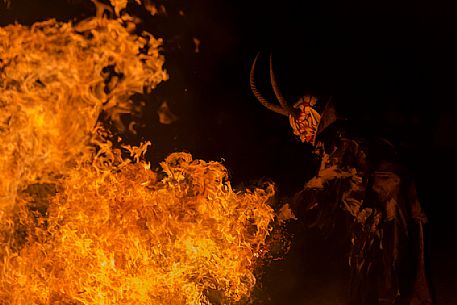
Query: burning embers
80,224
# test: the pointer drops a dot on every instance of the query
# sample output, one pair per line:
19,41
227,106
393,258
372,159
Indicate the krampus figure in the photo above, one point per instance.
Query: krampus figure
361,181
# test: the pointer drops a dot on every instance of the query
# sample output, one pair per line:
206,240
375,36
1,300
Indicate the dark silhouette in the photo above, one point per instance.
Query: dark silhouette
363,194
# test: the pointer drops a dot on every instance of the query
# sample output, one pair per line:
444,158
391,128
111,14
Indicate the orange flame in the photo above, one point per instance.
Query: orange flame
79,223
119,235
54,85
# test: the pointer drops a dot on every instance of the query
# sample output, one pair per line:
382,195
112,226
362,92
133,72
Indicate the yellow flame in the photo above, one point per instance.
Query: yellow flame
79,223
119,235
54,85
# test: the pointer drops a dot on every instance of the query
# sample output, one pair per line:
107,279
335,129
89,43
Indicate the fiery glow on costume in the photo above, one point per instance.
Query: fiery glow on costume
82,222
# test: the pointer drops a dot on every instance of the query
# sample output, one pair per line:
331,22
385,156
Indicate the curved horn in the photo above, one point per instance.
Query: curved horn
284,104
260,98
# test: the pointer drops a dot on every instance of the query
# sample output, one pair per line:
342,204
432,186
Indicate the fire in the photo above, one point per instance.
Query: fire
121,235
85,222
55,83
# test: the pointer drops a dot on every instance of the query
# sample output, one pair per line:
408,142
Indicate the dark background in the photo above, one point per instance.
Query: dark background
389,63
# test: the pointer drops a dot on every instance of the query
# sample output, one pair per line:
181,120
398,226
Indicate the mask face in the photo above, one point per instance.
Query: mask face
306,122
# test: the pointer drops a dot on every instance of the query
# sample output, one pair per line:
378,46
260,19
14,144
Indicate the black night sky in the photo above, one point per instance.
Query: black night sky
391,64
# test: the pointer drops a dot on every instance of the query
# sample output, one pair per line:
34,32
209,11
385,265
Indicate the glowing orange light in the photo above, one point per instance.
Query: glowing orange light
79,223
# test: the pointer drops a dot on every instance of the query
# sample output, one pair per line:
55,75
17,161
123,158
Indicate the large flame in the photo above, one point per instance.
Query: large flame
54,83
119,235
80,223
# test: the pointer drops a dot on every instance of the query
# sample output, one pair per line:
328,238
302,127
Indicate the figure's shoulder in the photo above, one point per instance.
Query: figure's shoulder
385,148
376,153
388,157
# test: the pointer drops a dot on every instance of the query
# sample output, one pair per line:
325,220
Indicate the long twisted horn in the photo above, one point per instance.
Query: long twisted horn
260,98
274,84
